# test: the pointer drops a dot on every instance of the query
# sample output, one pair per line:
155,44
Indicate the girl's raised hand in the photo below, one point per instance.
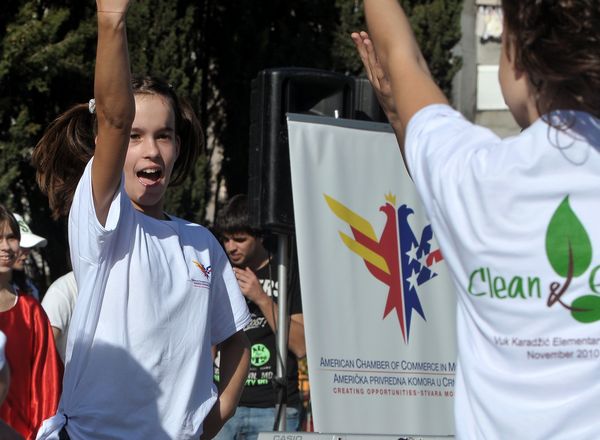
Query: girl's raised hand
376,75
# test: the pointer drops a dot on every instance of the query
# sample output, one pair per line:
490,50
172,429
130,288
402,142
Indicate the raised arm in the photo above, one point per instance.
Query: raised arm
115,105
400,58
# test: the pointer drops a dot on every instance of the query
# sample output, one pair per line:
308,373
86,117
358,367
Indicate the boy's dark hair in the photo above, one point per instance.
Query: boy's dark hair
233,217
68,144
556,43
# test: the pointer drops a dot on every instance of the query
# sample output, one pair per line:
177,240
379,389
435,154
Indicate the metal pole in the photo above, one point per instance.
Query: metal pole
282,327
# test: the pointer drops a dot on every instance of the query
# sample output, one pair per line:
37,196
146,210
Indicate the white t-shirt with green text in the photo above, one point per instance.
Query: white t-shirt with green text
518,223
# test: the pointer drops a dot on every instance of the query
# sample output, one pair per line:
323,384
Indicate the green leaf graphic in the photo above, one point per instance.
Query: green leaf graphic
566,233
586,309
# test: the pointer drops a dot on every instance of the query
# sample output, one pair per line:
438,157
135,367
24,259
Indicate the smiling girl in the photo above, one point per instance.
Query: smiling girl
35,368
155,291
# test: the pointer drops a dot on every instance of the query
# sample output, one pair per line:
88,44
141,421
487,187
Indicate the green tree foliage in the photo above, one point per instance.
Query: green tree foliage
44,68
437,28
165,39
436,24
295,33
209,50
304,33
351,19
47,52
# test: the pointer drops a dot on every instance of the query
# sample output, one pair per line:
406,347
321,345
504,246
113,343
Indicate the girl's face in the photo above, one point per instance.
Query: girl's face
9,247
153,149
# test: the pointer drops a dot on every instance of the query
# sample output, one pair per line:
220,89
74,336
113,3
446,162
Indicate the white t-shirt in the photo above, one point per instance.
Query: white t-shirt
154,296
507,214
58,303
2,349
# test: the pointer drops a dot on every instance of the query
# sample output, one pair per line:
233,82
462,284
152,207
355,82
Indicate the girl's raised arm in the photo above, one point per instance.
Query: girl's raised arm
400,58
115,105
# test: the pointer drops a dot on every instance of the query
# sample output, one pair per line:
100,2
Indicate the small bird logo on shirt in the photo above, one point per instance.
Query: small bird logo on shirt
396,258
206,270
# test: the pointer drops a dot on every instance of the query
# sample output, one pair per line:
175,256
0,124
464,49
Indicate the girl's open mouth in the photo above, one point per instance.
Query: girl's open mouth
149,176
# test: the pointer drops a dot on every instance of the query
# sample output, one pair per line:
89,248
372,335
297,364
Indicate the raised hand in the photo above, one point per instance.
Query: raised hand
376,75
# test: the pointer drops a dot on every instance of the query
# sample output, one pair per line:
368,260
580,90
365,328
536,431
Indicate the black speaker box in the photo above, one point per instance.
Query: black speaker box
365,104
276,92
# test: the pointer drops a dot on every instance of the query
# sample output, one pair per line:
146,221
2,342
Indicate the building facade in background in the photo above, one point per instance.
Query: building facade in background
476,88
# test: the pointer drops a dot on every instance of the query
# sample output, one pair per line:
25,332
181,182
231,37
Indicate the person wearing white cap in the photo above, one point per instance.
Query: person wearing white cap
29,240
21,280
35,367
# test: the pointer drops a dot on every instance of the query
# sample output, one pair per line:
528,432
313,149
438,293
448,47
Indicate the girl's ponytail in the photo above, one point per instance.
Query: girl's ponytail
62,154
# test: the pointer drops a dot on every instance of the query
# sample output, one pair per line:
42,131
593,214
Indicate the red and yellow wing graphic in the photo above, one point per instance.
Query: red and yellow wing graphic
379,254
365,243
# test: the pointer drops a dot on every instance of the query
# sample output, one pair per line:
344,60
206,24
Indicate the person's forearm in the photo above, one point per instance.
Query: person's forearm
112,80
234,365
115,105
412,86
296,341
390,30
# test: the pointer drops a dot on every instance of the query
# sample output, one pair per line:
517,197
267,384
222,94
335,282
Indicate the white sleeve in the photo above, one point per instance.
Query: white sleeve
2,349
229,312
87,237
442,149
58,302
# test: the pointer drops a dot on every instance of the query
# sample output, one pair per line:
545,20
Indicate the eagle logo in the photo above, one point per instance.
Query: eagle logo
396,258
205,270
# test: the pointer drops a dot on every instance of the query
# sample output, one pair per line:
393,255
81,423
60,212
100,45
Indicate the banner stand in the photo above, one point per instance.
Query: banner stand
378,302
282,331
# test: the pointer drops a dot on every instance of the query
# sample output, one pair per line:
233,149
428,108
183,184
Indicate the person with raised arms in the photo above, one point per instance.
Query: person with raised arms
520,208
155,291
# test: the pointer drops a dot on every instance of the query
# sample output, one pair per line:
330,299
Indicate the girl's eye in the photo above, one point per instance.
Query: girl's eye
134,136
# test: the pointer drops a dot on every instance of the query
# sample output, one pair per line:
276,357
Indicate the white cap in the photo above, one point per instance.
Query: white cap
29,239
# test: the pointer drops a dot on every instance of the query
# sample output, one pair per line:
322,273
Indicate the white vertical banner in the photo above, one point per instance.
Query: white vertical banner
378,304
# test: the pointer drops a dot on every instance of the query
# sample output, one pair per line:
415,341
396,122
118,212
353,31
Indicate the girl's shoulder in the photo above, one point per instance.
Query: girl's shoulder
194,231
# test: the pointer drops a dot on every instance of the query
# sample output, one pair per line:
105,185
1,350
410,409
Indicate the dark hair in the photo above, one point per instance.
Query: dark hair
68,144
7,217
233,217
556,42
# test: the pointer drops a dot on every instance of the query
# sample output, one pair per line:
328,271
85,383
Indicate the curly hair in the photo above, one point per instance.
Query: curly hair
557,43
68,144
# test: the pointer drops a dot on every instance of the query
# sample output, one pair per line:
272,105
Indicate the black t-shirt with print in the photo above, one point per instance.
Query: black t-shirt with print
259,390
